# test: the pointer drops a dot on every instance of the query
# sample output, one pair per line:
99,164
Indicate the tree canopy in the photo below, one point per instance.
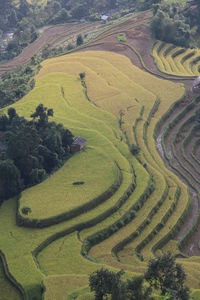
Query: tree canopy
163,275
30,149
166,275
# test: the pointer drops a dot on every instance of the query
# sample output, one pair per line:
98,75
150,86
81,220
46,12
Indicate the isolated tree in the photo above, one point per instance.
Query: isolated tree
79,40
134,149
165,274
82,75
104,282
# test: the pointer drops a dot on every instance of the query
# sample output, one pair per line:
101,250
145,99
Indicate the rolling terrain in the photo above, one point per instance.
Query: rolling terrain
130,208
176,60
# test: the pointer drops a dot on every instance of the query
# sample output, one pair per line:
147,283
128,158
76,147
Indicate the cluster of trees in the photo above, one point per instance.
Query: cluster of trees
163,274
170,24
21,20
16,84
176,23
30,149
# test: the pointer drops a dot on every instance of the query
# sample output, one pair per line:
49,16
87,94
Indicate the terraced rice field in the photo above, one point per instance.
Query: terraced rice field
176,60
182,154
129,208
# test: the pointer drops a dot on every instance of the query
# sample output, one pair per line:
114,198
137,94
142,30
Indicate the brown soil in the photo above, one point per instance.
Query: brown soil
191,248
187,150
50,36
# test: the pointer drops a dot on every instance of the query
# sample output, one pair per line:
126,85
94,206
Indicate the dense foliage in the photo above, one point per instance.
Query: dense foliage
30,149
166,275
104,282
14,85
176,23
24,19
163,274
169,24
21,20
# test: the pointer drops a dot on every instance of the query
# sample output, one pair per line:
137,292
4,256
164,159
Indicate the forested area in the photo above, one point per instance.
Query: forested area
14,85
30,149
177,23
24,19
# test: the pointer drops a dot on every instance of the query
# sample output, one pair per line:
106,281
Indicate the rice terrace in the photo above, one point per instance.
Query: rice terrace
129,190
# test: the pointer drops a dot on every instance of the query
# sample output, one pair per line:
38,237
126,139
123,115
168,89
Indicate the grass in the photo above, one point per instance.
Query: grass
121,37
66,196
8,291
56,284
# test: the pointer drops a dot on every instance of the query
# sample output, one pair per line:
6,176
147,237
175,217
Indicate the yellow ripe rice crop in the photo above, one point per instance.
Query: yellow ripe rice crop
116,97
177,61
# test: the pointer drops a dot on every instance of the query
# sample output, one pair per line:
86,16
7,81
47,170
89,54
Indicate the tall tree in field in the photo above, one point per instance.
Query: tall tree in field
165,274
10,180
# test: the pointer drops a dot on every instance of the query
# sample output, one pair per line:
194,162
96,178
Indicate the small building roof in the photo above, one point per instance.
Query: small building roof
104,17
196,82
79,141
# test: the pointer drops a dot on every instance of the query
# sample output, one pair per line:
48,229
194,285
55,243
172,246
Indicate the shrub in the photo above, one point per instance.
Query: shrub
121,37
134,149
82,75
26,210
79,40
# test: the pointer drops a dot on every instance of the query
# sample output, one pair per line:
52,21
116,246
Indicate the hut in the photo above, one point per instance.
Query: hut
104,18
78,144
196,85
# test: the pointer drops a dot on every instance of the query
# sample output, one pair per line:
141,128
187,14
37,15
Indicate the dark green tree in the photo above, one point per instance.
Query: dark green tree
165,274
136,291
12,113
3,122
109,284
42,114
104,282
10,180
79,40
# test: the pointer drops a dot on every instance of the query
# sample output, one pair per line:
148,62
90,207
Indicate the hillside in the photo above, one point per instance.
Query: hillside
132,193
